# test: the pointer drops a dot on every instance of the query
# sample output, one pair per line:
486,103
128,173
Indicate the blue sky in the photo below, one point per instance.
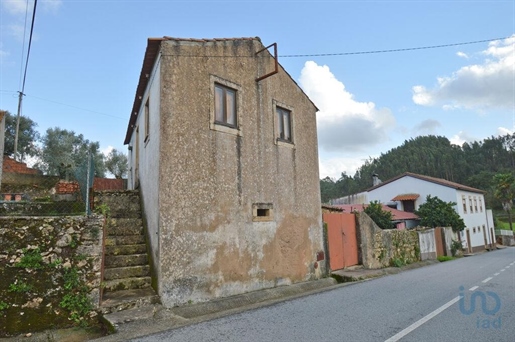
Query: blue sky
86,57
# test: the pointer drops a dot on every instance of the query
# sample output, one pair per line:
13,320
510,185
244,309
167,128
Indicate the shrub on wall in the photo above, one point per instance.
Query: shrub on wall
50,272
381,217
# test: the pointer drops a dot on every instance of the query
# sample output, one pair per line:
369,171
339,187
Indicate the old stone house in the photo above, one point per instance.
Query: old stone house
223,148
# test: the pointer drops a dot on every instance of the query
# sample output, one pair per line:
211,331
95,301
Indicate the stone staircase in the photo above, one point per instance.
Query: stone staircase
127,279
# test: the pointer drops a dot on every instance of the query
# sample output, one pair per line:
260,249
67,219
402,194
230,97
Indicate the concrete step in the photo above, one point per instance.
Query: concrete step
126,272
140,248
125,260
124,226
126,284
128,299
114,240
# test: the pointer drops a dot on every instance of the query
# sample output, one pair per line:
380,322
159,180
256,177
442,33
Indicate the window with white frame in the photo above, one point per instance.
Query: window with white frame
284,131
464,201
225,106
284,124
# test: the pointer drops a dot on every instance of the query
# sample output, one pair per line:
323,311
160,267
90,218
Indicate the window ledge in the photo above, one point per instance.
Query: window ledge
225,129
285,143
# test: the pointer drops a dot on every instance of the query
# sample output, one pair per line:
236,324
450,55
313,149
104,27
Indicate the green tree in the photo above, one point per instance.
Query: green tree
63,151
504,184
437,213
381,217
27,136
116,163
327,189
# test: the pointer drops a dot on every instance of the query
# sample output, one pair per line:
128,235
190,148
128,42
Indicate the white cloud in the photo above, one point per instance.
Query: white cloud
344,124
462,54
107,150
17,7
333,167
479,86
504,131
3,53
17,31
52,5
462,137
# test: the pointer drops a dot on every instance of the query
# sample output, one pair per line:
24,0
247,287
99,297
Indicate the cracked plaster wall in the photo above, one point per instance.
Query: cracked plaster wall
209,244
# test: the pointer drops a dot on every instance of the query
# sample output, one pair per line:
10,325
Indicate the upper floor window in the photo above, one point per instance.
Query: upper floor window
147,120
464,201
470,202
225,105
284,130
475,203
480,204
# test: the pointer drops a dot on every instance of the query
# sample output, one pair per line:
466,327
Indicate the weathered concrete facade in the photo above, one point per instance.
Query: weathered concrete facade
229,208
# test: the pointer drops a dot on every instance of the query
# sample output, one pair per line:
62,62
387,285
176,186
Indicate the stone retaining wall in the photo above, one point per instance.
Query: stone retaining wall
49,271
383,248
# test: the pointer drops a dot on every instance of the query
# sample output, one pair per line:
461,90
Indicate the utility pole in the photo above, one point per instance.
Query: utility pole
21,94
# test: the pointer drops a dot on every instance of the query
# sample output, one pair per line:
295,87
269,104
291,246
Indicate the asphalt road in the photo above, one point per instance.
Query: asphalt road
418,305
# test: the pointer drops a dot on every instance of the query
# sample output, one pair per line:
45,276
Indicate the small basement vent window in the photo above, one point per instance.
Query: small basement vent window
262,212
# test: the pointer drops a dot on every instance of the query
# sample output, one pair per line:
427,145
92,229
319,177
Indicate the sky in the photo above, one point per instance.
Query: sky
86,56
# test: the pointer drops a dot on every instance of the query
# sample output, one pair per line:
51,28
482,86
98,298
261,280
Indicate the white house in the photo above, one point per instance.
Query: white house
409,190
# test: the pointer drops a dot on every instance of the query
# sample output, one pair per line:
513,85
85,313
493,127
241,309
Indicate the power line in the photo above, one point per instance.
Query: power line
23,43
24,79
75,107
393,50
354,52
30,43
63,104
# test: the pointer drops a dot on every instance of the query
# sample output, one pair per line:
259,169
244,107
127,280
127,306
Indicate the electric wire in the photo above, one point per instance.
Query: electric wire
394,50
23,42
282,56
30,43
428,47
75,107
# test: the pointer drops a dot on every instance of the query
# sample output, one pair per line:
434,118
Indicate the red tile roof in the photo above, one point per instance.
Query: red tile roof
396,214
406,197
439,181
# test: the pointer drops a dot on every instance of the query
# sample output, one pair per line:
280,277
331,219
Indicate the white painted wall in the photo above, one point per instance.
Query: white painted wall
475,221
410,185
427,244
475,218
149,158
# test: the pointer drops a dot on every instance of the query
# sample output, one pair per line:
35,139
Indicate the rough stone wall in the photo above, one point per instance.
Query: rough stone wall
39,257
210,180
383,248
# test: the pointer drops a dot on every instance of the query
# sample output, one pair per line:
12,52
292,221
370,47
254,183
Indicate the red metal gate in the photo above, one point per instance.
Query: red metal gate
341,235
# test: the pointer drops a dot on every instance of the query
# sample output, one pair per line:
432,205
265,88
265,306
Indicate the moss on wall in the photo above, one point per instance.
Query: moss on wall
50,271
384,248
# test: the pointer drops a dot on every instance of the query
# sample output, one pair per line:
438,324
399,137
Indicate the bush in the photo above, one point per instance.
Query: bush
455,247
381,217
443,258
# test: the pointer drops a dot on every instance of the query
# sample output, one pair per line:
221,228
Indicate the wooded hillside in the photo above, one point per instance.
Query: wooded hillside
473,164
